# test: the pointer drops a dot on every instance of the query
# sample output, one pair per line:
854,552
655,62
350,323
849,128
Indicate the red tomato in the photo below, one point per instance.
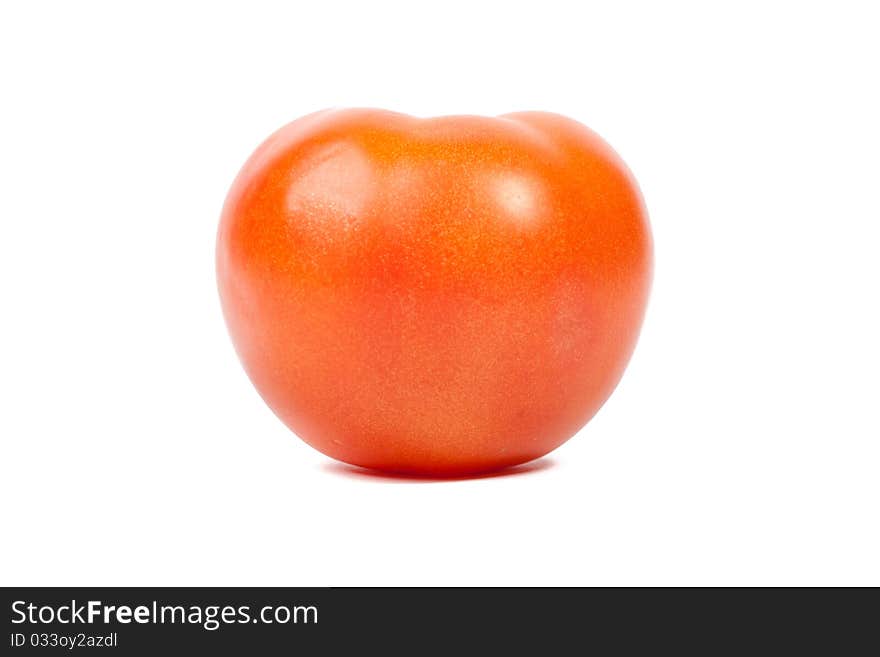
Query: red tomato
434,296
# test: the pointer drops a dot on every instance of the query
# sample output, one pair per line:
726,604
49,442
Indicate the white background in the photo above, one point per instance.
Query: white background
741,446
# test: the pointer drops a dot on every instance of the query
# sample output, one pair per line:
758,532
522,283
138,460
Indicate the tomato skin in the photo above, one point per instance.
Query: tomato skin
436,296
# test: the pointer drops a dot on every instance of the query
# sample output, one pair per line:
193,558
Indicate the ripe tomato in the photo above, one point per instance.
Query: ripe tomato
434,296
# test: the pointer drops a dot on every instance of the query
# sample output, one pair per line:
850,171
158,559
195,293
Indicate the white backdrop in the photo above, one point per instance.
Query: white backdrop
741,446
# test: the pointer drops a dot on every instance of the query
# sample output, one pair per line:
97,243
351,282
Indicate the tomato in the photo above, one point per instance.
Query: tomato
437,296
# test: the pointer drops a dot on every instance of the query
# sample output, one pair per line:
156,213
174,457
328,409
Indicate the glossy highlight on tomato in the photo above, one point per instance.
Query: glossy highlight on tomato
438,296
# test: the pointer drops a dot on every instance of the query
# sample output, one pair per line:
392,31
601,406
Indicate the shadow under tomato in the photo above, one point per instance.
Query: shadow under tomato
353,471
